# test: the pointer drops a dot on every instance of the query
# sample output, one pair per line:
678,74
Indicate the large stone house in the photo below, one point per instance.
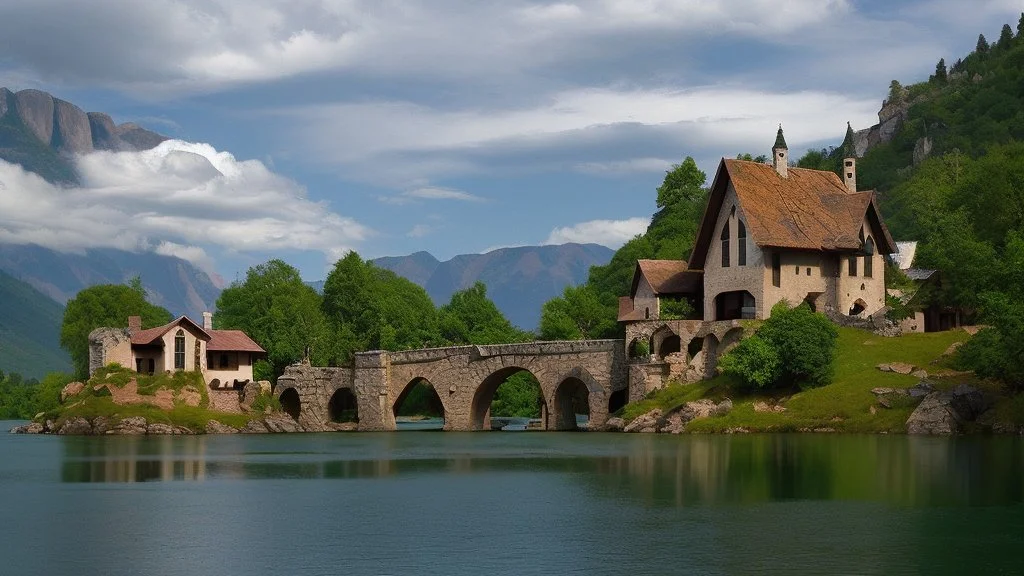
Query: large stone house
770,232
225,357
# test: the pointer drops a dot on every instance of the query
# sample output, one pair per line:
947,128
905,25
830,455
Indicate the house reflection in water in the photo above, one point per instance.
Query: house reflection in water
133,459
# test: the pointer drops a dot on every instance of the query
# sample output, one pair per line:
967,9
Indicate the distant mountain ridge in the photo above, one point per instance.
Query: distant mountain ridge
519,280
41,132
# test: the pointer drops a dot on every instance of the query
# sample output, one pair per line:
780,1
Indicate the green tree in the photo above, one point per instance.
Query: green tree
940,71
683,182
982,46
99,306
754,361
1020,26
470,317
277,310
576,315
1005,37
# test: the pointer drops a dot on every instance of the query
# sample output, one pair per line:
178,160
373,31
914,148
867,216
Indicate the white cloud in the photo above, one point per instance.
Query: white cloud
628,166
419,231
610,233
179,198
428,142
429,193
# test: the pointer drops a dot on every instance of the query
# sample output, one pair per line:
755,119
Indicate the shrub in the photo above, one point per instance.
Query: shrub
642,348
794,346
265,403
755,361
997,352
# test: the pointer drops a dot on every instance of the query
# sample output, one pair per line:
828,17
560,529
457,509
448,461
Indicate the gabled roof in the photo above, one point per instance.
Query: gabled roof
808,210
232,341
667,277
153,336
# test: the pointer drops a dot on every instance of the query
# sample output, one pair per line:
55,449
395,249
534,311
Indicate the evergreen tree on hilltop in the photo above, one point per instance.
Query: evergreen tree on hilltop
1005,37
982,47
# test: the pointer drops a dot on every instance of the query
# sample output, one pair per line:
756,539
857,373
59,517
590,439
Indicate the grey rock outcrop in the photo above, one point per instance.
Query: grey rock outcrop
675,421
922,149
254,427
615,424
30,428
281,423
647,422
215,427
75,426
943,413
890,118
134,426
71,389
71,131
35,108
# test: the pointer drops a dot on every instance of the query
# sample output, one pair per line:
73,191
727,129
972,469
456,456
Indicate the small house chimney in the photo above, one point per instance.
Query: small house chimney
780,155
207,321
135,323
850,173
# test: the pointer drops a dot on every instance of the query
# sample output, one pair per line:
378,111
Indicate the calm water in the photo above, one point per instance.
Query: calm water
425,502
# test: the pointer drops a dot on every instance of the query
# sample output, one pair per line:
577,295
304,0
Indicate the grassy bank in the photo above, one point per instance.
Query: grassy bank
845,405
97,400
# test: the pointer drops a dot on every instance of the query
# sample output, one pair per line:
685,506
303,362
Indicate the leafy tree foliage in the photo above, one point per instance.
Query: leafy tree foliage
470,317
99,306
576,315
683,182
277,310
793,347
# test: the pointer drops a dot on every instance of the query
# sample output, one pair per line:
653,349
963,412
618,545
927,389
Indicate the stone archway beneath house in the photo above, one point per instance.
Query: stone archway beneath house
290,403
735,305
858,307
618,399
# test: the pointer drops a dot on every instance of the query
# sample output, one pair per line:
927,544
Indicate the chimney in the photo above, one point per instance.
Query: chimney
135,323
207,321
850,173
780,155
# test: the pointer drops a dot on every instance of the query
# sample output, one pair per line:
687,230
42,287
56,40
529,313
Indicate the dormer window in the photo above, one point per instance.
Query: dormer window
725,245
741,243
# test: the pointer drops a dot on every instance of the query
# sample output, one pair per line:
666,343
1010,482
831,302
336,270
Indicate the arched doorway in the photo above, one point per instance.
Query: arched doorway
617,400
343,407
858,307
290,403
419,407
508,399
572,400
735,305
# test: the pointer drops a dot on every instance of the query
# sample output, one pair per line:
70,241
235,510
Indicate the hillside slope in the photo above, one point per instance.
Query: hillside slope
29,330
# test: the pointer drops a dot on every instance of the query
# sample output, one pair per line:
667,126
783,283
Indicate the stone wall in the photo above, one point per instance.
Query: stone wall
109,346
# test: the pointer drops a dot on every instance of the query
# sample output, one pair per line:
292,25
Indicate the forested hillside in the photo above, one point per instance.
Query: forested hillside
29,330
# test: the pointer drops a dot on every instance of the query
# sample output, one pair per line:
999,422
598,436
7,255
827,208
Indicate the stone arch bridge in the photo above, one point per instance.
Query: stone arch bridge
466,378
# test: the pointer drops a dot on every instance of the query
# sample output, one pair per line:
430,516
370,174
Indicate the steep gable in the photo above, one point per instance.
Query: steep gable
808,210
153,335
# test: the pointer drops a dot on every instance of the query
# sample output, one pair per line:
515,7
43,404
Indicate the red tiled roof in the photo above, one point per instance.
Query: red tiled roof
232,341
808,210
153,335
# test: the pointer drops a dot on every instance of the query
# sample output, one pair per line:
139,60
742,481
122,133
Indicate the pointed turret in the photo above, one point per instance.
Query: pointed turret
780,154
849,160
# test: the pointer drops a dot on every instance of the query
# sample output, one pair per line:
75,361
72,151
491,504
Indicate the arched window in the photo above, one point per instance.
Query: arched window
179,350
869,253
741,243
725,245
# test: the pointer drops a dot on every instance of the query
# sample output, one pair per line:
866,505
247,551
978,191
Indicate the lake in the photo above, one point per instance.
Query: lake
492,503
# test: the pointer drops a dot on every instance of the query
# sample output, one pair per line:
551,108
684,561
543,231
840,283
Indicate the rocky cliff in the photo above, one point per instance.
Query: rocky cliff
65,127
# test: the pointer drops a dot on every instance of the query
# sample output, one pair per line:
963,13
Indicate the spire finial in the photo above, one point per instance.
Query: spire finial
780,140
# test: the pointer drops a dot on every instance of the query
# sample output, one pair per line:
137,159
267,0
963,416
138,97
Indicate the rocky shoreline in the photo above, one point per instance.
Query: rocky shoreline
139,426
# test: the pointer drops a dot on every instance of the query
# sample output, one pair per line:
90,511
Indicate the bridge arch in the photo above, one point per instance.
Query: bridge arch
343,406
484,395
434,397
290,402
577,393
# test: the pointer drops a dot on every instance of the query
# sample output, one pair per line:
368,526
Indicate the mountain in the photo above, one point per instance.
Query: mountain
41,132
29,330
519,280
170,282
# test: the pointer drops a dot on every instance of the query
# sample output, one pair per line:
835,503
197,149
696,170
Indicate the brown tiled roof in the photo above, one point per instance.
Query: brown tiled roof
808,210
231,341
668,277
153,335
626,312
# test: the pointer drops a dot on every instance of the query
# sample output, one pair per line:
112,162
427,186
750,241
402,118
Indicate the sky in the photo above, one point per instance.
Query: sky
303,129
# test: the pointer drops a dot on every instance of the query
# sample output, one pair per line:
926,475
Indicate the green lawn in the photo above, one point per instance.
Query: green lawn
843,406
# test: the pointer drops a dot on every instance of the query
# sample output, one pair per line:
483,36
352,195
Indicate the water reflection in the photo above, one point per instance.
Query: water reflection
656,470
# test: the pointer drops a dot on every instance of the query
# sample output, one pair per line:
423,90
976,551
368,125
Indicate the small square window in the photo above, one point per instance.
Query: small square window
808,271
